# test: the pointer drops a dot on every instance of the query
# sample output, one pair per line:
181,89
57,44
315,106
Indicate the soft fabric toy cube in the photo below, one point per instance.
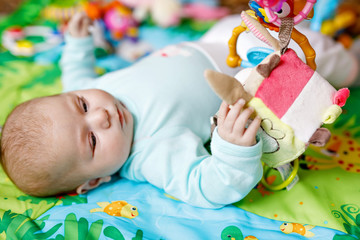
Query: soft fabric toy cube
292,99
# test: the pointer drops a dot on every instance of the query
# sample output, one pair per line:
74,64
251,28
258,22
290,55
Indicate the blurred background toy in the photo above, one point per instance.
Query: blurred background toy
30,40
339,19
163,13
204,12
323,10
117,17
113,25
345,24
61,11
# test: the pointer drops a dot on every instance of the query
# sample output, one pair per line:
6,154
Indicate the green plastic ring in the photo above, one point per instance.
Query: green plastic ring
283,184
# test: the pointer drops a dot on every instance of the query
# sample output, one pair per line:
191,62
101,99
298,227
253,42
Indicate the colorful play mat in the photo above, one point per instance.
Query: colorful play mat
324,204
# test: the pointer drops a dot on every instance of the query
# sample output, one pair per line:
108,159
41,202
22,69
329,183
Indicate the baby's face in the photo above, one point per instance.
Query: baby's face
92,131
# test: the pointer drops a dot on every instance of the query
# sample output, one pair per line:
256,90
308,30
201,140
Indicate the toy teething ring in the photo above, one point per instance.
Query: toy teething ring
274,19
14,39
283,184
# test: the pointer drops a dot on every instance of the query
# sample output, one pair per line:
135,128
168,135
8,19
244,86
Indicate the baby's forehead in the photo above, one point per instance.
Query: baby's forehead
58,100
65,131
47,101
57,109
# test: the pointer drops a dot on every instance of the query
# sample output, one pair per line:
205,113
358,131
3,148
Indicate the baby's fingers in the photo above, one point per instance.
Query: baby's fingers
233,114
252,129
85,22
222,113
241,121
75,20
79,24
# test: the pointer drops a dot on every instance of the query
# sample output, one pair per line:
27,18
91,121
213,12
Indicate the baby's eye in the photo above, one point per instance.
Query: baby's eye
92,141
84,104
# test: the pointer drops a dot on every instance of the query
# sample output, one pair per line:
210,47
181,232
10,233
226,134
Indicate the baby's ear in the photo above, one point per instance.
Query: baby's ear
91,184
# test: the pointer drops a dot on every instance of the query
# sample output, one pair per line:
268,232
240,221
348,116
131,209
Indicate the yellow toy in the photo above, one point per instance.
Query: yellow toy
59,13
295,10
342,20
345,25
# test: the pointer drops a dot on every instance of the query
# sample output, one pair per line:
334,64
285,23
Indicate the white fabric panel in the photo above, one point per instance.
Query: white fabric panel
306,113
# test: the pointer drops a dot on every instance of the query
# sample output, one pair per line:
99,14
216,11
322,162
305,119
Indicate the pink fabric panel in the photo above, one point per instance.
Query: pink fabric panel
286,81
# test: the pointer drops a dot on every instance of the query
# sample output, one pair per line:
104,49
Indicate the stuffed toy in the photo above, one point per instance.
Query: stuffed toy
291,98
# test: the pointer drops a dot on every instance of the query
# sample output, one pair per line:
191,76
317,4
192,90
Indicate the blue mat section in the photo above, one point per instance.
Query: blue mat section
161,217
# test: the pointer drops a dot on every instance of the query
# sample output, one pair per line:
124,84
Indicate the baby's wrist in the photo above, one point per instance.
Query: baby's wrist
79,42
218,144
79,35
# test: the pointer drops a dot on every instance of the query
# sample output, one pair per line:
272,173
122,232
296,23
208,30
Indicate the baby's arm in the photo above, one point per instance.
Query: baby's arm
176,161
78,60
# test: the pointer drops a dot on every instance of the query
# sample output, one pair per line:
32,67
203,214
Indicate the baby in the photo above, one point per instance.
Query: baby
148,122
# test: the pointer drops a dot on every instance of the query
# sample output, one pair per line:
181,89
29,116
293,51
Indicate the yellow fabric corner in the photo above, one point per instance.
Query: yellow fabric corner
289,146
331,114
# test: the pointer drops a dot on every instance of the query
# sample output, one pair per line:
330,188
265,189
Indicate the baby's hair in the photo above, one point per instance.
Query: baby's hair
27,154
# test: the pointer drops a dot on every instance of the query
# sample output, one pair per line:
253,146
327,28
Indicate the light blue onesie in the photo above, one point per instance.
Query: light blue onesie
171,103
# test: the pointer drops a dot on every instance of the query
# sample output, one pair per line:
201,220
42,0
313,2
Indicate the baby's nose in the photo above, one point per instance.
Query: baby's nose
101,118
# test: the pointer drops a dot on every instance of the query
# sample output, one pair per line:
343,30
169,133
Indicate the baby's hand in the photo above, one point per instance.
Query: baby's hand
79,25
232,124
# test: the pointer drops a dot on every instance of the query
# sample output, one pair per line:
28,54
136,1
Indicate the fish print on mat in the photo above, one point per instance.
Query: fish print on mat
117,209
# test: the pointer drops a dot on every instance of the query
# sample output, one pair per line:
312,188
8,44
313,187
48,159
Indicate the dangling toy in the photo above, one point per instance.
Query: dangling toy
274,16
291,98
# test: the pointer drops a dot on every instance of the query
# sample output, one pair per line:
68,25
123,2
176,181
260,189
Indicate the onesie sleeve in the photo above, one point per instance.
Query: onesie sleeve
77,63
178,162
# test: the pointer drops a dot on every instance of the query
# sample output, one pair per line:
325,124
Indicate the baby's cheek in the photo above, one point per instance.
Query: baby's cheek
116,145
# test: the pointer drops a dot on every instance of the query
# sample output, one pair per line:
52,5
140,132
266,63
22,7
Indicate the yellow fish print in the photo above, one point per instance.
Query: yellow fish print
251,238
117,209
297,228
